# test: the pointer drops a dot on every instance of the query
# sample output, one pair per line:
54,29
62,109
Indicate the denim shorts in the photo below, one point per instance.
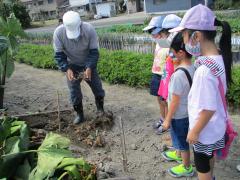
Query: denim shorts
154,84
179,131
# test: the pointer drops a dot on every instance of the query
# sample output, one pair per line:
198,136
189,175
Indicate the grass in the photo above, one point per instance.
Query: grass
36,24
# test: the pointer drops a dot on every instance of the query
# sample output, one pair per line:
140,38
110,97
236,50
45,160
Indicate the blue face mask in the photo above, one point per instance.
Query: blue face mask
194,50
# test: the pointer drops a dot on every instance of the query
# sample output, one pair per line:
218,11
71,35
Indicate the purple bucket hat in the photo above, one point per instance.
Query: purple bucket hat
198,17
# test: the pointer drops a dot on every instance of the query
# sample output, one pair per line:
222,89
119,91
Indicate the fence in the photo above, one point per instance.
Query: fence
129,42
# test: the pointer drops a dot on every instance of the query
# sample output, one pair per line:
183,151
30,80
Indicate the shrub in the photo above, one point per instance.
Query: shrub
222,4
37,56
128,28
125,67
234,90
19,10
115,67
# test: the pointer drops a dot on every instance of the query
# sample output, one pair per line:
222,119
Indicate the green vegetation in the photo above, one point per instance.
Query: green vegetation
233,18
10,30
51,22
116,67
226,4
51,160
129,28
233,95
16,7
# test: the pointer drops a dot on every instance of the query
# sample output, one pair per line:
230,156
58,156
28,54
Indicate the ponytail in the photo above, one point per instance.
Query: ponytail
226,48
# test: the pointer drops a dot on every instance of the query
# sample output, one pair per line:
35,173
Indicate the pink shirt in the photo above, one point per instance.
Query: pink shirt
168,71
205,95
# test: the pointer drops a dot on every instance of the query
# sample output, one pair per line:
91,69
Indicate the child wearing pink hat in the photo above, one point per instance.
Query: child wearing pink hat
207,116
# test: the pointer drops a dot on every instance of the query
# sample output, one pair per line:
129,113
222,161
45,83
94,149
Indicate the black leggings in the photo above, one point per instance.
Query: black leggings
202,162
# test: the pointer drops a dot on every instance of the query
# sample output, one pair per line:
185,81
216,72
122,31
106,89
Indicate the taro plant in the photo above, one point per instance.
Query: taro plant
10,30
51,160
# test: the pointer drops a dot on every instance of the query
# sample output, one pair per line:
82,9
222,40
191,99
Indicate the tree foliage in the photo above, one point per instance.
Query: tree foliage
15,6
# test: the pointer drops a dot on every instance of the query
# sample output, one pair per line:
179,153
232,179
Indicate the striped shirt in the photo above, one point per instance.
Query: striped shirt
209,148
205,95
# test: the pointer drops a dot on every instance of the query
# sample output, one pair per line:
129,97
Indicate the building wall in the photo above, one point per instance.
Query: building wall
135,6
157,6
46,9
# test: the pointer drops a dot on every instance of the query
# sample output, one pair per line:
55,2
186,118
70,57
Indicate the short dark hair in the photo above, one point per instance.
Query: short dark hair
178,44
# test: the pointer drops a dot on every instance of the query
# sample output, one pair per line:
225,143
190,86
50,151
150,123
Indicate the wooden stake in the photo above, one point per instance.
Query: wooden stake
58,110
123,144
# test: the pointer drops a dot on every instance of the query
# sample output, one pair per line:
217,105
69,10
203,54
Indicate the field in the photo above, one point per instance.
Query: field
32,90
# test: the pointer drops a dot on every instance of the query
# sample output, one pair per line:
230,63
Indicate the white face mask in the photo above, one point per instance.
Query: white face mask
163,43
166,42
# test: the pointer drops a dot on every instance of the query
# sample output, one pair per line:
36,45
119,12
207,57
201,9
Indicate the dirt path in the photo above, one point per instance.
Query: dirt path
30,90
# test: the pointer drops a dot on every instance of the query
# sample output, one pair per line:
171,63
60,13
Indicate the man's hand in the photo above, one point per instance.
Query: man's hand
166,125
192,137
70,75
88,74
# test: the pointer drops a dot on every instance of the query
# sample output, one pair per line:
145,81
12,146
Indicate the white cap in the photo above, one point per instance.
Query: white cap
171,21
72,21
156,23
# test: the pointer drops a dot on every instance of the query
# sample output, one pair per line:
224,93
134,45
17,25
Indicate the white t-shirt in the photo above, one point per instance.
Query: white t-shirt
205,95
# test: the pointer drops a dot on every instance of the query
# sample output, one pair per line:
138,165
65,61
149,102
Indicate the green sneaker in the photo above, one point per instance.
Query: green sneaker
181,171
171,156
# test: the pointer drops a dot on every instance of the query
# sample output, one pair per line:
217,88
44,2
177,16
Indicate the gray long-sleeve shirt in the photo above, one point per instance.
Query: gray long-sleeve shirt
76,50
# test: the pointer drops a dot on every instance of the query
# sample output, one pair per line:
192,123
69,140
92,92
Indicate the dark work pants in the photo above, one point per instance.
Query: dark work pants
95,85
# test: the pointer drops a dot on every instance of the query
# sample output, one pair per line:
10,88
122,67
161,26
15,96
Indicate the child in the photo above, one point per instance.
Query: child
170,21
177,116
160,55
207,117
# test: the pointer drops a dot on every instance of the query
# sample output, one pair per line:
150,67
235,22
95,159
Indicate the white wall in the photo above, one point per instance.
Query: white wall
74,3
104,9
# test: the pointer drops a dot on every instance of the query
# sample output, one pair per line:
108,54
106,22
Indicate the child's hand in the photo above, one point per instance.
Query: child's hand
166,125
192,137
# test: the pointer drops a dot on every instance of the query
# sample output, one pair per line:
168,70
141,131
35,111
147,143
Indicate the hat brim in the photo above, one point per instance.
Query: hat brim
148,28
156,31
73,34
177,29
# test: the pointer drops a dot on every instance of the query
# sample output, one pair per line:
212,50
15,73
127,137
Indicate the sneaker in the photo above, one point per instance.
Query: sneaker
156,125
171,156
181,171
160,130
238,167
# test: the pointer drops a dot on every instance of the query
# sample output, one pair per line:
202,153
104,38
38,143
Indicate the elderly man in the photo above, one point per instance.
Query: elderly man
76,53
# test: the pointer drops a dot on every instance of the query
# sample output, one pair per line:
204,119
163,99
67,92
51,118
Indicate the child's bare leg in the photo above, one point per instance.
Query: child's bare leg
205,176
185,158
166,109
162,108
212,161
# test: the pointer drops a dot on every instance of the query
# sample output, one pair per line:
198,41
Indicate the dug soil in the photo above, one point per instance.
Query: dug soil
36,91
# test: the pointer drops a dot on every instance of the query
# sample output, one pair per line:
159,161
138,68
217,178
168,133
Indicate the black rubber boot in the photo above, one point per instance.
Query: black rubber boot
80,117
99,103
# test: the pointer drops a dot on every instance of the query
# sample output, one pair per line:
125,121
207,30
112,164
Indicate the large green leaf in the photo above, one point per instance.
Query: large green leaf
17,140
11,29
50,154
3,27
3,44
55,140
23,170
10,68
8,164
75,161
5,129
15,27
73,171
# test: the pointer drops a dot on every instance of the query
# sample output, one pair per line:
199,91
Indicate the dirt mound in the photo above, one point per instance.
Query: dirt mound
88,133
